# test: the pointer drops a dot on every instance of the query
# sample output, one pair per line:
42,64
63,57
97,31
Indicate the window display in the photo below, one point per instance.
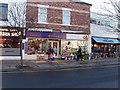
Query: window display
9,43
64,49
35,45
70,47
104,50
73,44
38,47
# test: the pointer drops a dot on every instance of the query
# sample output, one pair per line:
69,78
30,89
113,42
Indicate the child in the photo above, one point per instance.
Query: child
51,57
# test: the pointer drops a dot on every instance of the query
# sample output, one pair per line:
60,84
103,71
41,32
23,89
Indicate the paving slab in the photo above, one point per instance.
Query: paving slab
56,64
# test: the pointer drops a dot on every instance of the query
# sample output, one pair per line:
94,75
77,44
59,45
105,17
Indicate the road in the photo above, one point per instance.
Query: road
101,77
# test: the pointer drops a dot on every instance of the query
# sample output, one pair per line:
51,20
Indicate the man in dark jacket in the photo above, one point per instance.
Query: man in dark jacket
79,54
51,51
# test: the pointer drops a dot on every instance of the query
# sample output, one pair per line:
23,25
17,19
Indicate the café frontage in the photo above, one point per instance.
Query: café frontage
105,47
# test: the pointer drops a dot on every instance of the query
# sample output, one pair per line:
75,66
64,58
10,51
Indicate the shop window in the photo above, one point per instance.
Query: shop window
99,23
95,45
66,17
95,49
3,11
73,45
42,15
93,21
9,43
35,45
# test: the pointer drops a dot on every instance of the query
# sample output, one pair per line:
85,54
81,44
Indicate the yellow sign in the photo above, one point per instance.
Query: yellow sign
59,17
53,35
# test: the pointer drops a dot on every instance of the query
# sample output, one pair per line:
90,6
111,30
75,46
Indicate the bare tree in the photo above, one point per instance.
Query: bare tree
17,18
16,14
112,11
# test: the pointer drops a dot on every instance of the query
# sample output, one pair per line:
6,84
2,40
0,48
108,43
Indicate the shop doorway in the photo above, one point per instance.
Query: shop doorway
55,46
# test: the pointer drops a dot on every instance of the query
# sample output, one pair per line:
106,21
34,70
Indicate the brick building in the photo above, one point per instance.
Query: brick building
61,25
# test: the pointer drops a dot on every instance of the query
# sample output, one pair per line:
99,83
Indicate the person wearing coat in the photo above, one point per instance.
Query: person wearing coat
79,54
51,53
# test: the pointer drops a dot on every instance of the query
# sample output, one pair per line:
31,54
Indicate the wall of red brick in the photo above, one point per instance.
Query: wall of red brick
72,5
53,16
77,18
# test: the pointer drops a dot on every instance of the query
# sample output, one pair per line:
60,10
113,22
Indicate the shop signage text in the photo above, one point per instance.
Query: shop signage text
108,41
10,52
77,36
50,35
105,40
9,34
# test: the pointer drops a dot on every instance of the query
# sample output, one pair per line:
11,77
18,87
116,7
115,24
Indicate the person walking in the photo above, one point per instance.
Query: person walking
79,54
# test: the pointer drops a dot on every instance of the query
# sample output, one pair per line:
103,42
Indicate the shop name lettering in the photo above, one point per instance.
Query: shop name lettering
9,34
35,35
108,40
56,36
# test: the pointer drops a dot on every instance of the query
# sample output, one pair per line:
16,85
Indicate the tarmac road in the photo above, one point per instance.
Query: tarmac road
101,77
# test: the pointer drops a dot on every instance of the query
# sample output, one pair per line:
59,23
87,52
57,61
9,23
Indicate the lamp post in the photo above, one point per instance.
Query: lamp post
22,35
21,46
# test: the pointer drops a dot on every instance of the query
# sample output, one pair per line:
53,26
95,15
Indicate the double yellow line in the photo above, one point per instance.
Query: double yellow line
62,69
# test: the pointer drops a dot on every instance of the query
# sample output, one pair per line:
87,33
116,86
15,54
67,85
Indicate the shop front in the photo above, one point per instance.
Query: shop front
70,45
10,43
105,47
39,42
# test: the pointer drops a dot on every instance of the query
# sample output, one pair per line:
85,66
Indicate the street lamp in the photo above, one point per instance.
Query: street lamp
21,46
22,36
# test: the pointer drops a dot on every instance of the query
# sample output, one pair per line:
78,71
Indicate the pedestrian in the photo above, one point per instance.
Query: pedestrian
51,53
79,54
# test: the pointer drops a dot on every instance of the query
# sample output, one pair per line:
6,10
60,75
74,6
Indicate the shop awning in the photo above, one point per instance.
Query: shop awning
40,29
70,31
105,40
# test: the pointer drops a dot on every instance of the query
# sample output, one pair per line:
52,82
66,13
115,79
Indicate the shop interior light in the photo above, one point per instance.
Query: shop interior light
92,45
2,39
95,45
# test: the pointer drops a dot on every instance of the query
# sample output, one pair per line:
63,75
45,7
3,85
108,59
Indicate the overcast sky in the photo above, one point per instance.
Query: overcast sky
95,3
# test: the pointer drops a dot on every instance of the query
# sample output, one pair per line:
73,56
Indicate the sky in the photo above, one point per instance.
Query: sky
96,4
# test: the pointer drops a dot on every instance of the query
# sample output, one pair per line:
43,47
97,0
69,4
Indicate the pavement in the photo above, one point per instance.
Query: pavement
36,65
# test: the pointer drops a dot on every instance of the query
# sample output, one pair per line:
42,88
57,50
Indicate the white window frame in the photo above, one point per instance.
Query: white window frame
44,14
3,13
67,10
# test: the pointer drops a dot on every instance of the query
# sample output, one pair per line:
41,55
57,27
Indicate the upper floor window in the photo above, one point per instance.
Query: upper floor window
42,15
118,25
93,21
3,11
66,17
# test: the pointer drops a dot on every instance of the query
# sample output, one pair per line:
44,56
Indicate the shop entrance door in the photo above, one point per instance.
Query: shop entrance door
55,46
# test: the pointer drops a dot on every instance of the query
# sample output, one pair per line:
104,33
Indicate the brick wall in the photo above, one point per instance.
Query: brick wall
80,16
53,16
